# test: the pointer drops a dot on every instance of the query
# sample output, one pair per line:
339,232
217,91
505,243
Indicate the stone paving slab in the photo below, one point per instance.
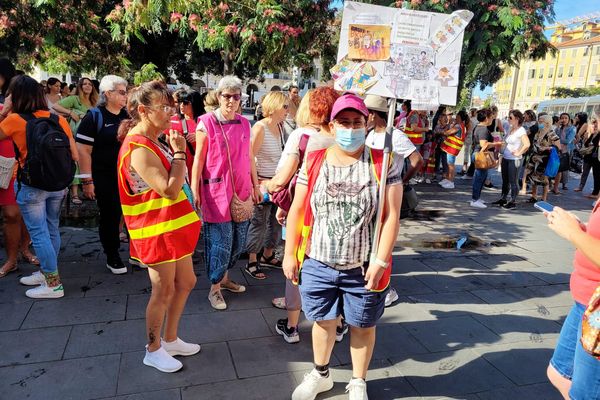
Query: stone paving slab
172,394
112,337
59,312
30,346
79,379
13,315
212,364
259,388
537,391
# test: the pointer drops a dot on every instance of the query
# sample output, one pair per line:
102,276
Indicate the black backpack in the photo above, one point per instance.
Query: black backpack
49,164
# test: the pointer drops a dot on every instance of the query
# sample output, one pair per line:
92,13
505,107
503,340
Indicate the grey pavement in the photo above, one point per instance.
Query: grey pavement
479,323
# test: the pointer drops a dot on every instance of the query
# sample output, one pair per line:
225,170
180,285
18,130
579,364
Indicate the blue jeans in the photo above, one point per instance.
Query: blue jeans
478,180
572,362
41,213
223,245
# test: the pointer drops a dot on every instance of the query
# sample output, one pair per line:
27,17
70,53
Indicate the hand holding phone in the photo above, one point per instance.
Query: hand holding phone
544,207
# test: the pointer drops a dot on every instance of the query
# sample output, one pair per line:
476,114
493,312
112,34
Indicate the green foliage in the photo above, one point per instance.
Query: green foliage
147,73
564,92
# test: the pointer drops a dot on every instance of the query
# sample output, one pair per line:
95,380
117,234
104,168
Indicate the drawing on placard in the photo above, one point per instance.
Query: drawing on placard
341,68
446,75
407,63
359,78
450,29
424,92
369,42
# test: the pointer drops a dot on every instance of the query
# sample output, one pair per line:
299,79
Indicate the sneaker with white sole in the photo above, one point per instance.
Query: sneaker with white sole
340,331
162,361
466,177
390,297
115,264
35,279
312,384
290,335
180,348
137,263
443,182
477,204
448,185
46,292
217,301
357,389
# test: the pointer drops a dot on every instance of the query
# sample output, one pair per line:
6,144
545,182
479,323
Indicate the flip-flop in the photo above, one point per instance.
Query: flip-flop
76,200
279,302
3,273
31,259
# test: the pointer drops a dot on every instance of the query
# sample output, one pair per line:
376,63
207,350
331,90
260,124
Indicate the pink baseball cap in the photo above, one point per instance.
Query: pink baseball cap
349,101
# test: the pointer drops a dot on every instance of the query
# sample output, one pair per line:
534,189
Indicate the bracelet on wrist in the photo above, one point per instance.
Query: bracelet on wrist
179,152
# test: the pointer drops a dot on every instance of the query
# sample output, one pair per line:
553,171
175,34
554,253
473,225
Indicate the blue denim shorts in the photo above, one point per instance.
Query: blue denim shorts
451,159
327,293
572,362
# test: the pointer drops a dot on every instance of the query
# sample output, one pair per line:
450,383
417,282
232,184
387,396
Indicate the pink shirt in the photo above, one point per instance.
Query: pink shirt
216,183
586,275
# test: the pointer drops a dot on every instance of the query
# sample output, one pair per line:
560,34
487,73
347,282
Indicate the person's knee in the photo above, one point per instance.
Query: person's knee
186,285
11,214
327,325
163,292
362,332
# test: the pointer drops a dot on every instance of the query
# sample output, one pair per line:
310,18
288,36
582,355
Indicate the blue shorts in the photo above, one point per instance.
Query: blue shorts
451,159
572,362
327,293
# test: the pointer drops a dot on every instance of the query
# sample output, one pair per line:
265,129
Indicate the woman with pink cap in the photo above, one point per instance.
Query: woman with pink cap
337,197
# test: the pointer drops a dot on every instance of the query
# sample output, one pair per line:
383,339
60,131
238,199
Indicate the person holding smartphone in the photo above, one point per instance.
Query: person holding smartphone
574,372
184,122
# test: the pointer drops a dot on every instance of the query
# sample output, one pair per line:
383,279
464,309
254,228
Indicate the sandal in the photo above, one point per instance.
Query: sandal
233,287
555,192
279,302
76,200
30,258
577,189
271,262
4,272
253,269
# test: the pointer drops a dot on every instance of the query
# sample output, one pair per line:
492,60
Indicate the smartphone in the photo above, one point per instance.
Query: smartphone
544,206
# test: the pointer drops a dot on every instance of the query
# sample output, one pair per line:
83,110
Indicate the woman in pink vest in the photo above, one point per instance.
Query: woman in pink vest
223,164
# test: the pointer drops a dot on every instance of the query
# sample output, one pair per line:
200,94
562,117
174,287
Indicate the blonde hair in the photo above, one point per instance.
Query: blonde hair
272,102
303,113
211,101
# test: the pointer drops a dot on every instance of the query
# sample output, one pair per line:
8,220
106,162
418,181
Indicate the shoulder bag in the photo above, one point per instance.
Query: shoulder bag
240,210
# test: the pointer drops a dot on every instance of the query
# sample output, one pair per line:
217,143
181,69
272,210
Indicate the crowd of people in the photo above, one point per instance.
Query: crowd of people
167,169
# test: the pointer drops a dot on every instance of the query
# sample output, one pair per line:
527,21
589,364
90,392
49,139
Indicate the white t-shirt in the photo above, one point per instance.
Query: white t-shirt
513,143
292,145
401,144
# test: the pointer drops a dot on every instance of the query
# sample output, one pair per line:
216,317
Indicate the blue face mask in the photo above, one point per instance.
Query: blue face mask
541,126
350,140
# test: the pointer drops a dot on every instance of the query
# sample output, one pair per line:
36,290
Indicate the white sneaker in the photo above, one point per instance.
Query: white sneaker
477,204
448,185
357,389
443,182
216,300
46,292
466,177
180,348
428,181
162,361
312,384
413,181
391,297
35,279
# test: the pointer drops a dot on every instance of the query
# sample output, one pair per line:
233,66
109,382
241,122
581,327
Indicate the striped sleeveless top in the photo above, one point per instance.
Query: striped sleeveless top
270,152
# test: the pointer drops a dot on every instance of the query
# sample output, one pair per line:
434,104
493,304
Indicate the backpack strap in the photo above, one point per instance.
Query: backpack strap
97,118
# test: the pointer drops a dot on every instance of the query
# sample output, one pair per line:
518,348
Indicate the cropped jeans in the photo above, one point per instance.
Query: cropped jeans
41,213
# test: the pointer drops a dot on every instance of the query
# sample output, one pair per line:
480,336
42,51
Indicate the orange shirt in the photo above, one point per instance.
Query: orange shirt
586,275
13,126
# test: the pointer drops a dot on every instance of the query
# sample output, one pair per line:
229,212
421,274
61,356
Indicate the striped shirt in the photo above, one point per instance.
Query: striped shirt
344,203
270,152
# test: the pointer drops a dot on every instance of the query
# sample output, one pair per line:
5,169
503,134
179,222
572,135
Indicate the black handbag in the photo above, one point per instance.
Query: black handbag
565,162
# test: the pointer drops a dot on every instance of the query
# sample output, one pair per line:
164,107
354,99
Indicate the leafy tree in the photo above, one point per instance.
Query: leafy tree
564,92
263,35
147,73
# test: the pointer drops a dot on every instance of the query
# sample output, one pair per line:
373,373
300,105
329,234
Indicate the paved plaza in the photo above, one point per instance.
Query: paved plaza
479,323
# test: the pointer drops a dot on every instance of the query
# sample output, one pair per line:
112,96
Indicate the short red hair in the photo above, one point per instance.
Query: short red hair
321,103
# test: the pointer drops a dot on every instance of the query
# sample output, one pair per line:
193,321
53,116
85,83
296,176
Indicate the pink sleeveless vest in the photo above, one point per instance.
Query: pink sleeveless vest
216,185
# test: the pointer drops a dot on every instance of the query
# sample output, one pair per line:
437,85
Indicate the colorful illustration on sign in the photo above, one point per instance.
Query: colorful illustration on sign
341,68
358,78
369,42
450,29
446,75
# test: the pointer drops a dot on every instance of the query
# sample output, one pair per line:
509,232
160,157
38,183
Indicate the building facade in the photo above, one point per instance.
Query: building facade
576,64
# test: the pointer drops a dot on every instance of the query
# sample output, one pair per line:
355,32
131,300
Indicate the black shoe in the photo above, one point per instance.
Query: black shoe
489,185
115,264
290,335
532,200
510,205
340,331
500,202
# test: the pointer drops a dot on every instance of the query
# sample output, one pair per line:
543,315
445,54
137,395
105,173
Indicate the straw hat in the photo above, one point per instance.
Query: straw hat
376,103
